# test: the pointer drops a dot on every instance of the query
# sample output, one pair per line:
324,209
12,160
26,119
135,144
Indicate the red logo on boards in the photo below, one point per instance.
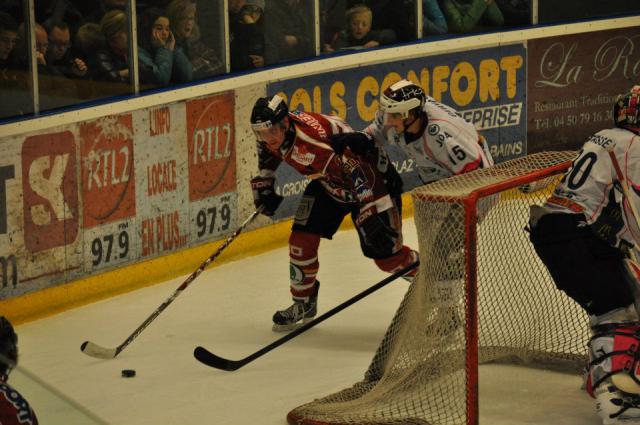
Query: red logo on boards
108,185
211,140
50,191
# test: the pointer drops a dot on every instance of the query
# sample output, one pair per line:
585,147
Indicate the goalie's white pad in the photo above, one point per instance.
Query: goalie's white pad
614,354
615,407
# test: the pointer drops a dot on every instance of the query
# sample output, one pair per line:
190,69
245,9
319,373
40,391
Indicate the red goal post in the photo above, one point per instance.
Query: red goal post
481,296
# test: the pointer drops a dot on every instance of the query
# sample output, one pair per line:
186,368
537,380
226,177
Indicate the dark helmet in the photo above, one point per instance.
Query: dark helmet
267,112
8,346
401,98
626,110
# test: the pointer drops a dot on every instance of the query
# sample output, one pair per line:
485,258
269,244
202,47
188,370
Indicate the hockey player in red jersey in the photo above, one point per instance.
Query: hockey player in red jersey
366,187
584,234
14,409
440,143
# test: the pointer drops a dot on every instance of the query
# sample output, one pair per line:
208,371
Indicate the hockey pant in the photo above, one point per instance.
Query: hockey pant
584,266
319,216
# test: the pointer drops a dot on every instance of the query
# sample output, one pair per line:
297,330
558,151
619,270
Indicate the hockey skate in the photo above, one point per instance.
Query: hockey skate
299,313
617,407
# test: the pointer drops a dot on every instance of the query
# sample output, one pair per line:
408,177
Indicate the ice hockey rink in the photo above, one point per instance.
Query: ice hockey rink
228,310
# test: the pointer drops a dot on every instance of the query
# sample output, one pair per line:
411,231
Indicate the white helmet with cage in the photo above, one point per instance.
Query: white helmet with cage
401,98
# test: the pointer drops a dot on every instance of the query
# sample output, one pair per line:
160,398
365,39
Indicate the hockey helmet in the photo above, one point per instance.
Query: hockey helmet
626,110
8,346
266,113
401,98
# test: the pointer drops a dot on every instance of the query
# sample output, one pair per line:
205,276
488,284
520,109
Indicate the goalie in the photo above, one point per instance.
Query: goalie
584,234
367,187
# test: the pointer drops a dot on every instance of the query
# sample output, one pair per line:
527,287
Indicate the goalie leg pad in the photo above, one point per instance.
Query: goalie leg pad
303,264
614,354
616,407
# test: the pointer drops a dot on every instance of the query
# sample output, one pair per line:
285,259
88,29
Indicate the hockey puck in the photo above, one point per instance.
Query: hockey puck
128,373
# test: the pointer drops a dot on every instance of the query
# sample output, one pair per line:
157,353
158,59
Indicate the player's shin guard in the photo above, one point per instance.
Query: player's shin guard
401,259
613,366
303,266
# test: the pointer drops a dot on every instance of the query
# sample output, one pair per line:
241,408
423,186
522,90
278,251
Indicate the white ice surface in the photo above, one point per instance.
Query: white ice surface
228,310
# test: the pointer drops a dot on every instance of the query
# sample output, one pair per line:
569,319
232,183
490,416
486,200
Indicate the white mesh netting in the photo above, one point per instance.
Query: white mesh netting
425,369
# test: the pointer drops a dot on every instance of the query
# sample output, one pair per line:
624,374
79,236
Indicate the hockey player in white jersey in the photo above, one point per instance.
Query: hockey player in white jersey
584,234
440,142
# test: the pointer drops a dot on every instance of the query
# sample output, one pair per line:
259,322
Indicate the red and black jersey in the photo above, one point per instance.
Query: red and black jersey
347,178
14,409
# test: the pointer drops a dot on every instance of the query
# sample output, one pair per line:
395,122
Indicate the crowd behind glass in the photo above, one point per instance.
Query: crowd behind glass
83,49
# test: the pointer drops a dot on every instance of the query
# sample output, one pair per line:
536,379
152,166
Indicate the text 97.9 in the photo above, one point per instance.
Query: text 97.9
103,249
213,220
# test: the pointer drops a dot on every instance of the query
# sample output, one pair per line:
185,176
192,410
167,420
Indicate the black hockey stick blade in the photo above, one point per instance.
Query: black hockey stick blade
208,358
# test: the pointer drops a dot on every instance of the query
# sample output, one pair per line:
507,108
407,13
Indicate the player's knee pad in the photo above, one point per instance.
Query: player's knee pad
401,259
303,263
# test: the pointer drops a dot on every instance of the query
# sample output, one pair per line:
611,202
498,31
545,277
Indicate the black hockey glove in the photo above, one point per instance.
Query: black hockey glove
378,235
393,181
359,142
264,195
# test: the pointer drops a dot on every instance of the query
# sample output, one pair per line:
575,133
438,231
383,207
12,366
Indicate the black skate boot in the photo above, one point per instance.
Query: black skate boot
299,313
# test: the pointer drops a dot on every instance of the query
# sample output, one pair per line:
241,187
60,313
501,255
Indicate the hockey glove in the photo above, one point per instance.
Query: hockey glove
359,142
393,181
378,235
264,195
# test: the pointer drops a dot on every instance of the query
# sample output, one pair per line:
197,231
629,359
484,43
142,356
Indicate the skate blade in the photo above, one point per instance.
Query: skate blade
291,326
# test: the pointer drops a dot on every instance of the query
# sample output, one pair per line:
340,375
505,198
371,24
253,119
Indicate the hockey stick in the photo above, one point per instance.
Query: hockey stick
95,350
208,358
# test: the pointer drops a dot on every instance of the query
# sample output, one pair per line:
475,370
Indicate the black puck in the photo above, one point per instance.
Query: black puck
128,373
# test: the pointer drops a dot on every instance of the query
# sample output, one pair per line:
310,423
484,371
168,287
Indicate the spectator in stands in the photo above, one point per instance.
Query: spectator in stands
392,15
247,43
59,53
14,409
332,14
14,86
516,12
111,63
97,12
50,11
433,19
184,23
289,27
8,39
358,34
88,40
471,15
160,60
55,89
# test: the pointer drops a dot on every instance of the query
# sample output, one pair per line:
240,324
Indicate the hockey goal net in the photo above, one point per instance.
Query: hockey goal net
481,296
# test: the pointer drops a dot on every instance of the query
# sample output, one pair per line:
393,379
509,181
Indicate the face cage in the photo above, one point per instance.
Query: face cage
394,109
264,129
